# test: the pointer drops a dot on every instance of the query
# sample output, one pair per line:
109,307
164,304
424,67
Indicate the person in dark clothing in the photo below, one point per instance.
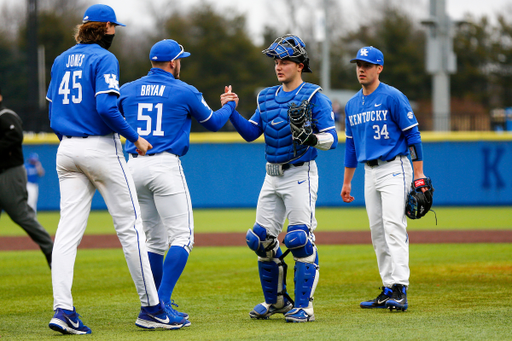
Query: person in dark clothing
13,181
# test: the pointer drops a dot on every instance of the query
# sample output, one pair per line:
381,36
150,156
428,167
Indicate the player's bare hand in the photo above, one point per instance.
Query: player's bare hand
142,146
345,193
228,96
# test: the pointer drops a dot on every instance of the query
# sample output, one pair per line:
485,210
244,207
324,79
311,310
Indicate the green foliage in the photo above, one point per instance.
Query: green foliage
457,292
329,219
403,45
222,53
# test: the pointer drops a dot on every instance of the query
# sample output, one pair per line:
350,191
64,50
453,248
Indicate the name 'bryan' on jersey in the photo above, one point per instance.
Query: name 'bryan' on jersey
152,90
369,116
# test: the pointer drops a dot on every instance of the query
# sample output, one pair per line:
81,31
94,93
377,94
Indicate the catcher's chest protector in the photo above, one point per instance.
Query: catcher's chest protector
276,127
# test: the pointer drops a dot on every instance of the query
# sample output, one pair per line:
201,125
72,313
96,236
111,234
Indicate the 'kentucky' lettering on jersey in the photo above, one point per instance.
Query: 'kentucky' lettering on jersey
75,60
112,81
152,90
369,116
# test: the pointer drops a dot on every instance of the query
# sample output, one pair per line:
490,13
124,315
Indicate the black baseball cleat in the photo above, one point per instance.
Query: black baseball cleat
380,301
398,300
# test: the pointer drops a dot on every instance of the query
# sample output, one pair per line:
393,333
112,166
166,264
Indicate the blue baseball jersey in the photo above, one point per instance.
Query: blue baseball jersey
32,174
83,91
376,124
161,108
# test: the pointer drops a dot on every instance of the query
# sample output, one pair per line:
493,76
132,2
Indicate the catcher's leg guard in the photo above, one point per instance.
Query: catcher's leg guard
260,242
273,282
272,271
305,273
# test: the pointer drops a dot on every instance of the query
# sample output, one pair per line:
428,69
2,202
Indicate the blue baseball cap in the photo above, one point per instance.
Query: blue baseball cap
101,13
369,54
167,50
33,157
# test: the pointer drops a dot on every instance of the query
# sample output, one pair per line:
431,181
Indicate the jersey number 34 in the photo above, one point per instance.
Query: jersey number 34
380,132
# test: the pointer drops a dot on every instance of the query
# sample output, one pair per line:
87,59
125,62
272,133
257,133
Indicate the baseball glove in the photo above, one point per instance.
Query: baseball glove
419,202
301,124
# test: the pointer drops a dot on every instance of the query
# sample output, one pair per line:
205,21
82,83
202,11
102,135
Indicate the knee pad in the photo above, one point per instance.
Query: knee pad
273,280
260,242
306,278
298,241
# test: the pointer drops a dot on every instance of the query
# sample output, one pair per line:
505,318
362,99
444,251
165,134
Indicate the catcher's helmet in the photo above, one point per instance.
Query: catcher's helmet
289,47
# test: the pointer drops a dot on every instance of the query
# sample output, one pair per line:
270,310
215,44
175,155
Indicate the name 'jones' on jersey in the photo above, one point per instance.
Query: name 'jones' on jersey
369,116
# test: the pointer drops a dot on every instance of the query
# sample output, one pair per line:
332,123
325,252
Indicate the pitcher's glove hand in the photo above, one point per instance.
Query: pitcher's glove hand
419,202
301,124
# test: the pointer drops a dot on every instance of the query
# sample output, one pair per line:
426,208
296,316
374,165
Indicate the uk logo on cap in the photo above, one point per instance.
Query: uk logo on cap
369,54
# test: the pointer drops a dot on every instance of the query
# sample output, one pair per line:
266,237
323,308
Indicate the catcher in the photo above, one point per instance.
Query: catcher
296,120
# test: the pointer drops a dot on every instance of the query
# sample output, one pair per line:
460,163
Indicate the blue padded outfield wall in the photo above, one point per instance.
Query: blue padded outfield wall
224,171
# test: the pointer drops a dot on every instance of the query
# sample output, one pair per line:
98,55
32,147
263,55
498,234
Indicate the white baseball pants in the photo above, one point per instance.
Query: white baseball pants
164,200
386,188
84,165
291,196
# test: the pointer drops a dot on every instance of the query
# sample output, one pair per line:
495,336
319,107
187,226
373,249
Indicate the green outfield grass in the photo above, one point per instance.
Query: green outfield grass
457,292
329,219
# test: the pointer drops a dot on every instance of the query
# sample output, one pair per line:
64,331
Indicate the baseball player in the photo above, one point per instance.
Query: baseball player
34,170
83,113
161,108
382,132
291,183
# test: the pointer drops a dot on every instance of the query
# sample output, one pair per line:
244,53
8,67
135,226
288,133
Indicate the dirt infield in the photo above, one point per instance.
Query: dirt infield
322,238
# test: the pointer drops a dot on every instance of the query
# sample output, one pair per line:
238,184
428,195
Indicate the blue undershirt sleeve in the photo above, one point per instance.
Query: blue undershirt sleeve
412,136
106,105
350,154
246,129
219,117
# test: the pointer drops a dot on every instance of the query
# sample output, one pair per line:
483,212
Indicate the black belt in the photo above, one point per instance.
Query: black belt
135,155
70,137
288,165
373,163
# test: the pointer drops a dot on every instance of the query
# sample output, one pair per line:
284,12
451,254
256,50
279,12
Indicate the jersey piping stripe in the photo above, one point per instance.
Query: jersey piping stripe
107,92
183,182
414,125
405,185
309,189
325,129
255,123
135,213
206,118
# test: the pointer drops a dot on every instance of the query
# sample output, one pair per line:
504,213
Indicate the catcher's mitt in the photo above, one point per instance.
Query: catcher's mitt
301,123
419,202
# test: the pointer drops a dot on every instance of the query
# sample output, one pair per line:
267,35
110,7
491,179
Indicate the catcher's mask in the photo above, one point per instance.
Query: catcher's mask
289,47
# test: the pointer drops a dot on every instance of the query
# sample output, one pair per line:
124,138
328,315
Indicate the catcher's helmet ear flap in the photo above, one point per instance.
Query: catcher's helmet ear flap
289,47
